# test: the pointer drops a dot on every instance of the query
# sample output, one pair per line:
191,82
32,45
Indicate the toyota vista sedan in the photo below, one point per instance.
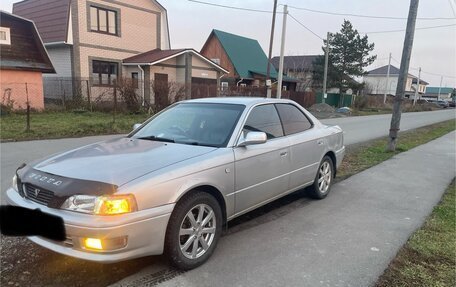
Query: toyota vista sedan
174,182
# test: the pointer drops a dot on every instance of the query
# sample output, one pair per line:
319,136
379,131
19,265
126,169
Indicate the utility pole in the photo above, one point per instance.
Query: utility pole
325,74
271,40
402,80
387,79
417,86
282,50
440,88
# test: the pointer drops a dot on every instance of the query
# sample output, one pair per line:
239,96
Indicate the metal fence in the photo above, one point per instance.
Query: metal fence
132,95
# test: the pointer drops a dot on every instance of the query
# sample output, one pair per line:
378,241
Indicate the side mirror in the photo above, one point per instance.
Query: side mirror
136,126
253,138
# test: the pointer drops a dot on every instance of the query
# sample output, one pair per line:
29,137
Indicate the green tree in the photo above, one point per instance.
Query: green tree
348,56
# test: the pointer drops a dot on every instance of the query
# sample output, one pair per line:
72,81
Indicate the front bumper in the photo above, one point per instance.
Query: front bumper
145,231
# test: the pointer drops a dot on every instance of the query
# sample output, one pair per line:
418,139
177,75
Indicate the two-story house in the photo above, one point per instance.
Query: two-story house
87,38
95,42
379,83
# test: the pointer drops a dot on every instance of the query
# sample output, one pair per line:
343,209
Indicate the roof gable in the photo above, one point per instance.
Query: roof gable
50,17
394,71
26,51
384,70
157,56
245,54
152,56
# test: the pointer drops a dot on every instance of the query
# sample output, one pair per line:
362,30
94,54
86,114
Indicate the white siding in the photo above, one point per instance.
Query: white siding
378,84
61,59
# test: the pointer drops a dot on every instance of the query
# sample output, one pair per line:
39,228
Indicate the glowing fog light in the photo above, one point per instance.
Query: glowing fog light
105,244
93,243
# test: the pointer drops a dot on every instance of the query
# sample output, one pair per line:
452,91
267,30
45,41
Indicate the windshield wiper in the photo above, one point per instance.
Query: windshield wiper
158,139
197,143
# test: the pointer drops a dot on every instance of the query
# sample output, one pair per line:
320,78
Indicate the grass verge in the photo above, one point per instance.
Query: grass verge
65,124
362,156
428,259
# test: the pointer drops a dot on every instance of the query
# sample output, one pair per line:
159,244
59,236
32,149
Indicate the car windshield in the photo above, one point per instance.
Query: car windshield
204,124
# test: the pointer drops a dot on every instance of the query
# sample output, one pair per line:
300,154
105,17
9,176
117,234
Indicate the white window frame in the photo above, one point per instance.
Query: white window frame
224,86
7,31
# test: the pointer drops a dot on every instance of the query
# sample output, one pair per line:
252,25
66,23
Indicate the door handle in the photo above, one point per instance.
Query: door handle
283,154
319,142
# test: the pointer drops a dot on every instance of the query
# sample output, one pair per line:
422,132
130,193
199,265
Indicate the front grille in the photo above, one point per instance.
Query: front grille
38,194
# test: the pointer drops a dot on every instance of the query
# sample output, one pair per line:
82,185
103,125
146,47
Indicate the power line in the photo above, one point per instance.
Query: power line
232,7
424,72
402,30
434,74
305,27
367,16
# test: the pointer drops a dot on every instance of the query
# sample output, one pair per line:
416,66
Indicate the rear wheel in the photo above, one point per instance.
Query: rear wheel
323,179
193,230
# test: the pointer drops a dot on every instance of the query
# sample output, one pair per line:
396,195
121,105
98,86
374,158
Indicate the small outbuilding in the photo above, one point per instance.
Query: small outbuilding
23,61
185,67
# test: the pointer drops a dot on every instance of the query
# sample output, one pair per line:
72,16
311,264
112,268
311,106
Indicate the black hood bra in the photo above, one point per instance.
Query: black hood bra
60,187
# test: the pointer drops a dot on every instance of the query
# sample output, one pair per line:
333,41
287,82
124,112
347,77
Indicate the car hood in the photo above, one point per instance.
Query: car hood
118,161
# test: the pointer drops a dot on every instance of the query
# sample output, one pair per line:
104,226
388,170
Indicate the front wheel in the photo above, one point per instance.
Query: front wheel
323,179
193,230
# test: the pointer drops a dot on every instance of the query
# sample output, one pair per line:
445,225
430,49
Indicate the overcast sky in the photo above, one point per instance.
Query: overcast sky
434,50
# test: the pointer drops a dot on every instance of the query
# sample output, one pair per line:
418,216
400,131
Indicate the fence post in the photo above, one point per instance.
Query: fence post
115,102
27,127
88,95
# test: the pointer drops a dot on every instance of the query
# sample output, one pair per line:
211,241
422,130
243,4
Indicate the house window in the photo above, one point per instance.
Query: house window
104,73
5,36
103,20
216,60
135,79
224,86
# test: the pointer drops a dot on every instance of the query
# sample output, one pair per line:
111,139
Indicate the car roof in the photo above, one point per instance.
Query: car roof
247,101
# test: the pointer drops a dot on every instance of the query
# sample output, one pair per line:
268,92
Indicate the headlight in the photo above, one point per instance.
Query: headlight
14,185
101,205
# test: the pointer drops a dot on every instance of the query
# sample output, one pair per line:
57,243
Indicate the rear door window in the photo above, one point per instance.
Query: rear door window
293,119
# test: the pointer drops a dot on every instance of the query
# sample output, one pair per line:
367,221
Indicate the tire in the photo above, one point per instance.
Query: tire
185,236
323,180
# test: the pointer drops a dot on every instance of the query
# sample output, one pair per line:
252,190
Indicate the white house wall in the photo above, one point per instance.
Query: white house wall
61,60
378,84
202,69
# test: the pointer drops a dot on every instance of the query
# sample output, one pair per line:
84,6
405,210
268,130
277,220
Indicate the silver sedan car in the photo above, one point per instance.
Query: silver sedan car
175,181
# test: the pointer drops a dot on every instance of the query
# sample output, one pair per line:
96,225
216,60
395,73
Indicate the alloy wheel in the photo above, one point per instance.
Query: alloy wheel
324,177
197,231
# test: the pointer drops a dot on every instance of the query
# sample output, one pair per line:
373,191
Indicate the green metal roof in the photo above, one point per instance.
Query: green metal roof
246,54
435,90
